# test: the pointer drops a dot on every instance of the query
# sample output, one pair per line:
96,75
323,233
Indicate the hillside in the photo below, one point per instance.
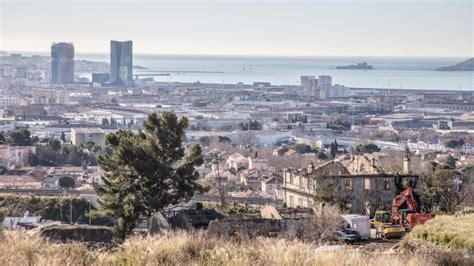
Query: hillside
467,65
450,232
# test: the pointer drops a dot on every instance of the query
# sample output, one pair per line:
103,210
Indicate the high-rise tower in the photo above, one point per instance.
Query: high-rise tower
62,63
121,63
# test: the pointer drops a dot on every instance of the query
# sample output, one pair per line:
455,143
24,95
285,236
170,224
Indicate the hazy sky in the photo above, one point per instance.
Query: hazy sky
357,28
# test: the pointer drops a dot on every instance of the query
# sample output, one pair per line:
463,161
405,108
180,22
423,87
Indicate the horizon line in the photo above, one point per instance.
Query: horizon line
255,55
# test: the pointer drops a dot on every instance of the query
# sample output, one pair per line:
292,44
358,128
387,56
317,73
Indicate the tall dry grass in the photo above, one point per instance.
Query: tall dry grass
449,231
181,248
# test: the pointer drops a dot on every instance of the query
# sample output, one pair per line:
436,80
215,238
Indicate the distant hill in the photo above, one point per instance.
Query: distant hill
467,65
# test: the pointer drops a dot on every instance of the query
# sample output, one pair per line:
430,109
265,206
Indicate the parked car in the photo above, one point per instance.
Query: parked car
348,236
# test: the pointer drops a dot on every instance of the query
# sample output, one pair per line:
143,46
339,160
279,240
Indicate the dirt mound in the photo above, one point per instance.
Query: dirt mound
81,233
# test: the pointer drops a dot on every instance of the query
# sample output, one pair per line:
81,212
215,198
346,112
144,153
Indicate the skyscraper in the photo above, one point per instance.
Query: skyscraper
62,63
121,63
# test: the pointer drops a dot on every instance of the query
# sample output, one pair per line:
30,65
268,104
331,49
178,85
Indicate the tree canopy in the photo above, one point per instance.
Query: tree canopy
367,148
19,137
148,171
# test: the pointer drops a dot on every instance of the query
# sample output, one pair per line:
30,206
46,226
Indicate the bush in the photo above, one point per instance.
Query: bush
326,219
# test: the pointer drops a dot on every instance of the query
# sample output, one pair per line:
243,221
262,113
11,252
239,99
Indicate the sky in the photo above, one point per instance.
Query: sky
302,28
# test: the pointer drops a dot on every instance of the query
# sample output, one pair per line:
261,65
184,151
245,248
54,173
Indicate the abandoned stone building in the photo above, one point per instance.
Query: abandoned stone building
357,180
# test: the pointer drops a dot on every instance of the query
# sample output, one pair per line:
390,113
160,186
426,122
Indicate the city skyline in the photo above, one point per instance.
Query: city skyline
360,28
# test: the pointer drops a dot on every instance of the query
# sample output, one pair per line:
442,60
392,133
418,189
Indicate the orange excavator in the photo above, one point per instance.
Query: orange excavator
408,217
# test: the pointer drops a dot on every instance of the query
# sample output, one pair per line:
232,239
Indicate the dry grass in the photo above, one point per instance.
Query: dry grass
454,232
181,248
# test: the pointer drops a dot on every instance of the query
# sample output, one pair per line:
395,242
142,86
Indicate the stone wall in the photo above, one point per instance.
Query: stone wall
251,228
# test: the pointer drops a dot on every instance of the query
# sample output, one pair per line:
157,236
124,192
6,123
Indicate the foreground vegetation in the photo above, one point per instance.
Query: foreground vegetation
453,232
181,248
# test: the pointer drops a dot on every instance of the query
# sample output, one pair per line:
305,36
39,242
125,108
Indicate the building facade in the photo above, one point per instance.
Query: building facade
62,63
84,135
8,101
364,193
15,157
121,63
50,96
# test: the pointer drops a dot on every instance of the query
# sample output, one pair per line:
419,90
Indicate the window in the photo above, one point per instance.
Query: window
300,202
292,201
386,184
367,184
348,184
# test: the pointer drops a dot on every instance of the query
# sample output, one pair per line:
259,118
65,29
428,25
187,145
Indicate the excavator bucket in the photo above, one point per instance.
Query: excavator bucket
415,219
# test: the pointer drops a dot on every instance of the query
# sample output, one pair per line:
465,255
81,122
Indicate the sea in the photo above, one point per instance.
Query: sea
389,72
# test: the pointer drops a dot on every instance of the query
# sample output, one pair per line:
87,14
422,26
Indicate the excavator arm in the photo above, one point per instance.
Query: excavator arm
405,197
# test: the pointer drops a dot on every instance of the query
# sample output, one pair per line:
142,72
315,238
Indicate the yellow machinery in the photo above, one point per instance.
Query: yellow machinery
382,222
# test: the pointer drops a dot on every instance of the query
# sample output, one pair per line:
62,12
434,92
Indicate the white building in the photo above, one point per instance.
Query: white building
84,135
50,96
8,101
15,157
325,82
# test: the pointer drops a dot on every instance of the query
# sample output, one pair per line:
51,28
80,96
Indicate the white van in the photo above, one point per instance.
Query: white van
361,223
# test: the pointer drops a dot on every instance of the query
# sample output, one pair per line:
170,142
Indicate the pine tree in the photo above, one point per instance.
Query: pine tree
334,149
148,171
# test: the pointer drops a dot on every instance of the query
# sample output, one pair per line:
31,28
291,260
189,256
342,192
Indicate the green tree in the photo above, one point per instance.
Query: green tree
451,161
367,148
322,155
21,137
441,191
454,143
148,171
326,192
2,138
66,182
55,144
105,122
334,149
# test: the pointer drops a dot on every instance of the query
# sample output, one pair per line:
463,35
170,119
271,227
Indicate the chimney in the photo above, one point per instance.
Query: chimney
406,165
310,168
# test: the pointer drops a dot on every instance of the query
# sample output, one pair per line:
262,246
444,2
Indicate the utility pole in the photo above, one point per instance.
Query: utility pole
70,210
221,190
90,219
60,209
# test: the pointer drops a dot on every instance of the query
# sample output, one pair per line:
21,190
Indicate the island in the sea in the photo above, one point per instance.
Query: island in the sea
467,65
363,65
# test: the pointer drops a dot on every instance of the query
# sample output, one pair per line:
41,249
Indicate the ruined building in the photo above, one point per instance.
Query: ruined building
357,181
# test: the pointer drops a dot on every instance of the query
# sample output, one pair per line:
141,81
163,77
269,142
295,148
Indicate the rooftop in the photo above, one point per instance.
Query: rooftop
89,130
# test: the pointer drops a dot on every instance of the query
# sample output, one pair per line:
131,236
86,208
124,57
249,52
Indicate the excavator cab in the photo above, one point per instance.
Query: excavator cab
380,218
382,222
